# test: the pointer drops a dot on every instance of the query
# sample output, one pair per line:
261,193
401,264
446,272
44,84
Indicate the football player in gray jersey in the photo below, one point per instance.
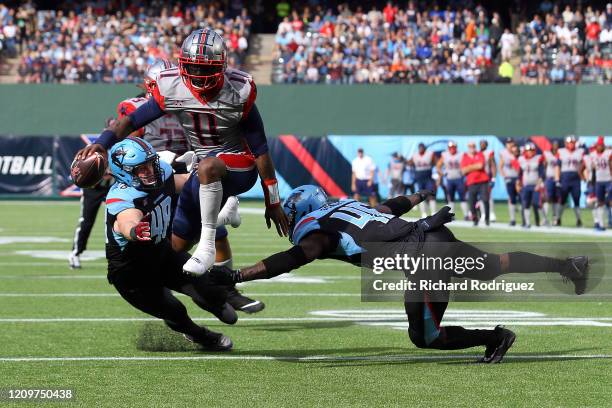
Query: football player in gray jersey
216,108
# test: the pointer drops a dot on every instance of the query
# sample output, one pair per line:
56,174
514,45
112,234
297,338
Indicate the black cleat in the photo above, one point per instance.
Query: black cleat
243,303
579,223
495,353
211,341
577,272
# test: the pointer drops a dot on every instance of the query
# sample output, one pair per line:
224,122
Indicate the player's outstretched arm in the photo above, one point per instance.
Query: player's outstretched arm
399,206
314,245
133,225
121,128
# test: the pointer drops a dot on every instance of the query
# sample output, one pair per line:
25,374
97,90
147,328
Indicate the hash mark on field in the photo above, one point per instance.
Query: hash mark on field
307,359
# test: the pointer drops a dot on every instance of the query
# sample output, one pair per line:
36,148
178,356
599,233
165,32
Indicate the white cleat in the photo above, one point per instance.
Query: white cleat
229,214
74,261
199,263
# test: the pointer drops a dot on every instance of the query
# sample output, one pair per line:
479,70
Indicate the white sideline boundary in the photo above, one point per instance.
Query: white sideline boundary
303,359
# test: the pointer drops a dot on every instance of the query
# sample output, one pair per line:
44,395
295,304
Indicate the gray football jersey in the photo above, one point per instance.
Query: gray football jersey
164,133
210,126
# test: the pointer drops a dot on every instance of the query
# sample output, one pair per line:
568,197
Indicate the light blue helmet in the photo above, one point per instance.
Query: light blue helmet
127,155
301,201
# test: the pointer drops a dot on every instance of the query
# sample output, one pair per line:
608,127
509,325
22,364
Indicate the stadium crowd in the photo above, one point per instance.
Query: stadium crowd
91,43
409,44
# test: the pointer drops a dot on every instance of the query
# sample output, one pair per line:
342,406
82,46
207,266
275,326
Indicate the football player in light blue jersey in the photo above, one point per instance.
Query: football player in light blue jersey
321,229
142,265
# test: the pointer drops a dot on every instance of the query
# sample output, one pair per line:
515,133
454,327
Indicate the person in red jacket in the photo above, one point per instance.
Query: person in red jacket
476,180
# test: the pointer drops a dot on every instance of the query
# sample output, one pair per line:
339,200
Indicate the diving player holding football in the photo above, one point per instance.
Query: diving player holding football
216,108
168,139
142,265
322,229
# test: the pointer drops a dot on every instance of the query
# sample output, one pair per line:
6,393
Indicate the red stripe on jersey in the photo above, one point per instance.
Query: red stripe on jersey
237,161
113,200
318,173
250,101
159,98
303,222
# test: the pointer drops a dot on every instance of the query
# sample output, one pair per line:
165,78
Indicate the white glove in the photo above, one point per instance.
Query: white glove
166,156
189,158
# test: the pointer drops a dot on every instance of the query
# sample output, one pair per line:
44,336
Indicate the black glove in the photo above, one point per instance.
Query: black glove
437,220
426,194
222,275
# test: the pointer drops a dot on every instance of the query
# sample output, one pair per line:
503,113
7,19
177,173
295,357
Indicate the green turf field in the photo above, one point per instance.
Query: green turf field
315,344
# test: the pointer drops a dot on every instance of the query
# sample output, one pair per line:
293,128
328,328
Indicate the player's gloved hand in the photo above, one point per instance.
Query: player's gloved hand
142,230
558,184
492,183
222,275
189,158
437,220
278,216
89,150
426,194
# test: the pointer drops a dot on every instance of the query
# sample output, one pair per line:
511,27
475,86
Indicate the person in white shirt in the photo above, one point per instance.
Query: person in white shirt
362,180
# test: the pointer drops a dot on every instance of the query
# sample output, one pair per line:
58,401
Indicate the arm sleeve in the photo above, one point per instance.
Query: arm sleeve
398,205
254,132
146,114
313,246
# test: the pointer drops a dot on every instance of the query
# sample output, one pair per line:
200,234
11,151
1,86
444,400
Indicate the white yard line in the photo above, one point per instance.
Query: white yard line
382,320
305,359
112,294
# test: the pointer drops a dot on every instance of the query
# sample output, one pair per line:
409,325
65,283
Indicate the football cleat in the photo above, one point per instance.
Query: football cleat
495,353
244,303
512,223
578,273
579,223
74,261
229,213
598,227
211,341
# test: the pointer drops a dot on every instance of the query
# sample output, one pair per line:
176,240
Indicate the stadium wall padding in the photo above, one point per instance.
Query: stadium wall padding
39,166
319,110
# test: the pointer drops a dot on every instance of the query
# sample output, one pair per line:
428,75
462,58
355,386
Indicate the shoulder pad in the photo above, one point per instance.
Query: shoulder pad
121,197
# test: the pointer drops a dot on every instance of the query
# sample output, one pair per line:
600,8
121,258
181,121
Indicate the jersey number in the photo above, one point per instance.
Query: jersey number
160,219
359,214
173,136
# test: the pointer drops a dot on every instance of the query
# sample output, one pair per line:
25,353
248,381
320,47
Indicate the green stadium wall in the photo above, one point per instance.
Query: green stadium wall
318,110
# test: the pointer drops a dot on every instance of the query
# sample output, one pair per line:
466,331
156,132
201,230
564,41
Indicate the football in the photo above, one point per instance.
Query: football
88,172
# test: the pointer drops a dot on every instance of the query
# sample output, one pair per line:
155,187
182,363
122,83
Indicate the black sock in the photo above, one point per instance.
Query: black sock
457,337
186,326
524,262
